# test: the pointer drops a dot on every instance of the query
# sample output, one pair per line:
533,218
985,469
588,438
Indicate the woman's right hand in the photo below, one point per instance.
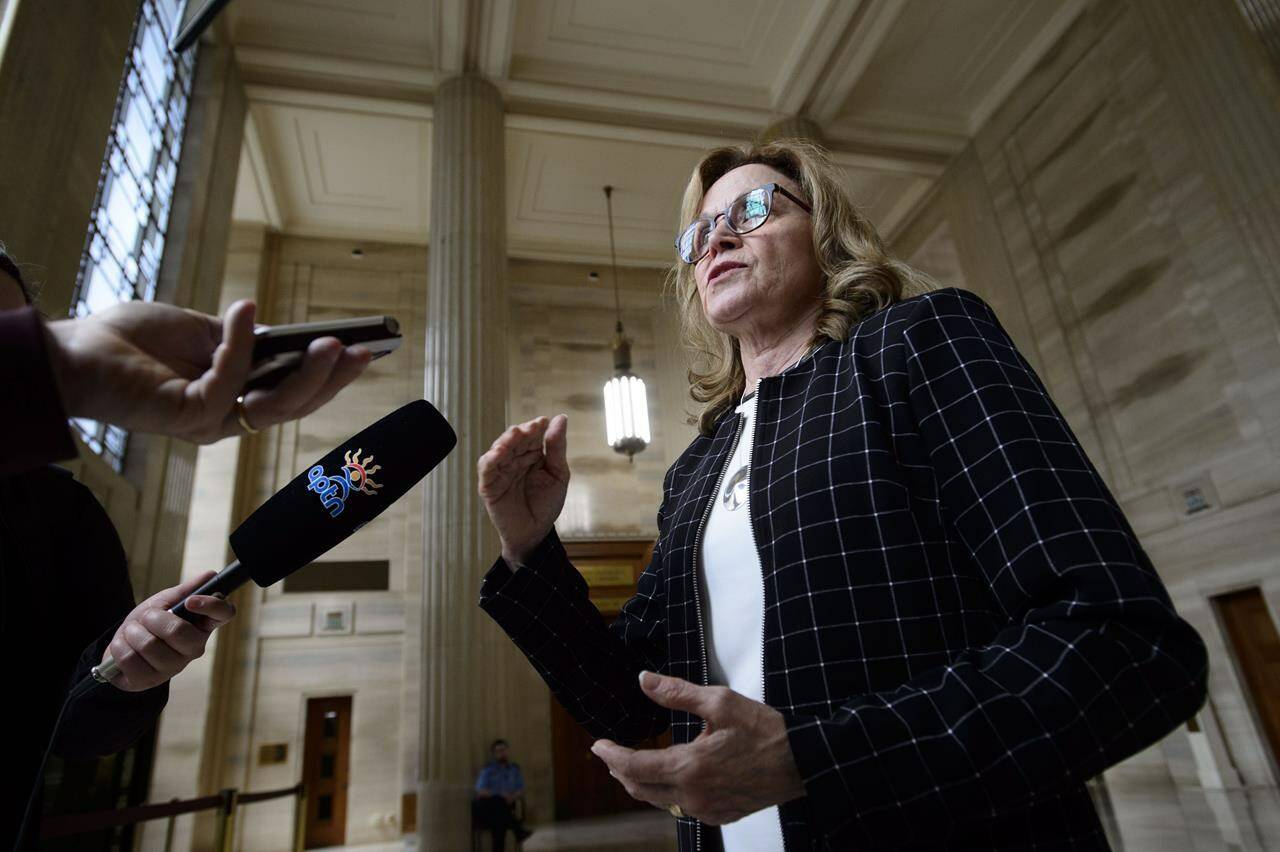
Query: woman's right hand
523,480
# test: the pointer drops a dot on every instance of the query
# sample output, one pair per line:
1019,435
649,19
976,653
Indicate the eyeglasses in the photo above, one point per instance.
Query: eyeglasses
743,215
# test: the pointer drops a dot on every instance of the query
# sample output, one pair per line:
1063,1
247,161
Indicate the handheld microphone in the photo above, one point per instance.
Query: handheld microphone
331,499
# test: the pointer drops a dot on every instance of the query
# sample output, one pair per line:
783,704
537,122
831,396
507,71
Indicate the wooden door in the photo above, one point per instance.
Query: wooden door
325,765
1256,644
583,785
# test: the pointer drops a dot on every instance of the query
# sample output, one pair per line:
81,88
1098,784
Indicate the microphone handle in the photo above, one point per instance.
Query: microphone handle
220,585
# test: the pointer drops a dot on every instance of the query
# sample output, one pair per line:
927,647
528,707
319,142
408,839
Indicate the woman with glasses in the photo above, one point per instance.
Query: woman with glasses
892,603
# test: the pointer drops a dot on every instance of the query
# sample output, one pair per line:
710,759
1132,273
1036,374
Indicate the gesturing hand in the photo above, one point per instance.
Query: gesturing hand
152,644
158,368
741,763
523,480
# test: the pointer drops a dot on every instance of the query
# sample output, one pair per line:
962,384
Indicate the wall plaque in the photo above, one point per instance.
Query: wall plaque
606,572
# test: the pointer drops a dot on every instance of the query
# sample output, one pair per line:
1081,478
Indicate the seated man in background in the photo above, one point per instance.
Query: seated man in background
498,787
65,596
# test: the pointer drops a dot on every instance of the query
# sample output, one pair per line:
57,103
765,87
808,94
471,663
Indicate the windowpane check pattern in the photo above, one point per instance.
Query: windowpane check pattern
125,242
960,626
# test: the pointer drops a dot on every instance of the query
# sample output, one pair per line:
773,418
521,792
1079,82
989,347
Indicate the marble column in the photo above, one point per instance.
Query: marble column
473,681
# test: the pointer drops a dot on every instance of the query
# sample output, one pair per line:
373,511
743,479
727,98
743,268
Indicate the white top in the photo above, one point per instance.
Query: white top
733,609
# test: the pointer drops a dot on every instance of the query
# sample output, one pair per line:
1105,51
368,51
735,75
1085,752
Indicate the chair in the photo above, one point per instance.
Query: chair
480,834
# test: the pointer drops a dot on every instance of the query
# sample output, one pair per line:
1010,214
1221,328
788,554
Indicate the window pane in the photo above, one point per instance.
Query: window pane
102,289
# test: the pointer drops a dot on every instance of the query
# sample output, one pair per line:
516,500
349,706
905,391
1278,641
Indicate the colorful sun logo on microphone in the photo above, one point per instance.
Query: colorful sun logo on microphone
359,474
355,475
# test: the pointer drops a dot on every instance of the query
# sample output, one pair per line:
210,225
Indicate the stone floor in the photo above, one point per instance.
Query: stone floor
634,832
1201,821
1188,820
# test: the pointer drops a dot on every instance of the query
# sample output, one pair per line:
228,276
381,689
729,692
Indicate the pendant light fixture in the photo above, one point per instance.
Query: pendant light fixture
626,409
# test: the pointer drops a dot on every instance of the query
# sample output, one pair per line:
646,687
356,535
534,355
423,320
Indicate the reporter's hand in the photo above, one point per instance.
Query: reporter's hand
157,368
523,480
152,644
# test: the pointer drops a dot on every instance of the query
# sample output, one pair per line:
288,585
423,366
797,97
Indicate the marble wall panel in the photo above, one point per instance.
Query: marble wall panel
1107,203
379,616
369,669
562,324
310,280
65,112
279,619
183,747
561,359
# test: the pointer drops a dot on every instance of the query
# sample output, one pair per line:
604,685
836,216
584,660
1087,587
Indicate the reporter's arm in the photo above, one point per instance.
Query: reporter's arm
153,645
33,429
158,368
106,720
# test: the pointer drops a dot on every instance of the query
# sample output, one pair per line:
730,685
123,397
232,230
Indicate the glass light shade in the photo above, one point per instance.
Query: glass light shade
626,414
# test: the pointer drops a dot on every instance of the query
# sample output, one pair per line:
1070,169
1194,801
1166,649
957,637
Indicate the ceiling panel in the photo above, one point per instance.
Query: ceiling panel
384,30
555,195
347,171
884,198
619,92
340,171
556,205
709,51
942,60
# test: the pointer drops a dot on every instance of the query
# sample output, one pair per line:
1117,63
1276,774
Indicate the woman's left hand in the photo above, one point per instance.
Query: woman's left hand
739,764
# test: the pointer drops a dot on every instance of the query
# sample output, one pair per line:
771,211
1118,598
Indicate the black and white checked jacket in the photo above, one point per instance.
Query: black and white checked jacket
960,625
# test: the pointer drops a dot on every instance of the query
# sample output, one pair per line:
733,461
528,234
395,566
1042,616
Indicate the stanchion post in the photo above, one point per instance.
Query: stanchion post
225,838
300,819
168,831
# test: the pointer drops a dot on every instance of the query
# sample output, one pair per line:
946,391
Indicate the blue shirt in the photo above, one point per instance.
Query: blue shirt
499,779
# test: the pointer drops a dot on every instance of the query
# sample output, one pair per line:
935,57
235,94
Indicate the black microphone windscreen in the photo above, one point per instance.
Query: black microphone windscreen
342,491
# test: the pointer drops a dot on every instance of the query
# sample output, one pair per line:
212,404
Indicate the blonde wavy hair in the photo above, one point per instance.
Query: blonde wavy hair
858,277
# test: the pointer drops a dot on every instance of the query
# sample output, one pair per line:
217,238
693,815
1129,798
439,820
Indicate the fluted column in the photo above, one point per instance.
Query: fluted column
473,683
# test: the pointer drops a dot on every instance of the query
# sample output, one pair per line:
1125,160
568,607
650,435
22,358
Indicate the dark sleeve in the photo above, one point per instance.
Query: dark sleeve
107,719
34,427
593,668
1093,664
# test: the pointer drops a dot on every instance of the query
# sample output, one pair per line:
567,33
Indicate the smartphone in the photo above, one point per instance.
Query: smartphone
278,349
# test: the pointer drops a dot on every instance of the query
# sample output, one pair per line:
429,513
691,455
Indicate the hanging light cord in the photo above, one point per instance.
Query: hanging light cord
613,256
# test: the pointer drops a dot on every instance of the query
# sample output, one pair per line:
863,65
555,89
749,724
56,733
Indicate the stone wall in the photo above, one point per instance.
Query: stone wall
1119,215
255,689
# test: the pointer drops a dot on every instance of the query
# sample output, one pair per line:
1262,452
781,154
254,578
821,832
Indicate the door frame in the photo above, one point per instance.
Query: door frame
1262,739
637,551
305,699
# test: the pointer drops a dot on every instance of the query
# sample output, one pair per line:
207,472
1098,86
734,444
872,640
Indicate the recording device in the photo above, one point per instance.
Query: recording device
278,349
331,499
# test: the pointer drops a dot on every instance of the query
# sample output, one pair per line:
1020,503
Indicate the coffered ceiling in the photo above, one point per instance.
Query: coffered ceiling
621,92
